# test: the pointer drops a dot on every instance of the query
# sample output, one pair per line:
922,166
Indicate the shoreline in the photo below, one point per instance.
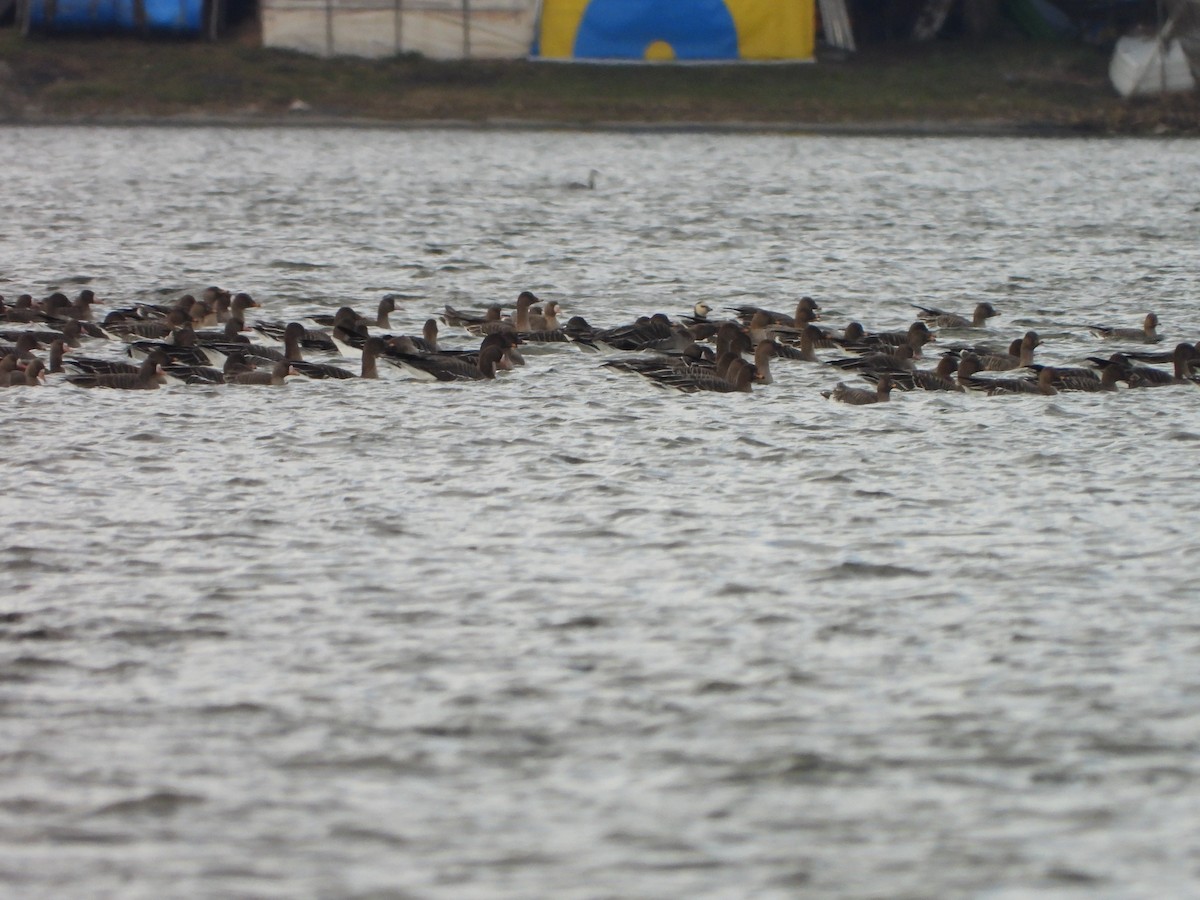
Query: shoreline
883,129
998,88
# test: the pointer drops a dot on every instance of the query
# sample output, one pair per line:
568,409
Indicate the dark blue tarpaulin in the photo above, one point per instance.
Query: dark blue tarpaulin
185,17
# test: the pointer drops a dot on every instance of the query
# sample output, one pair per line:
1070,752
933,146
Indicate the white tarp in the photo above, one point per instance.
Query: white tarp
1161,62
439,29
1147,65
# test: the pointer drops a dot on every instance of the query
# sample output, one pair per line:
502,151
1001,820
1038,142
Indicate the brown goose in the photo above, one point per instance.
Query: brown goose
24,346
969,366
54,357
519,321
236,309
146,378
31,375
444,367
310,338
547,320
1019,355
127,328
457,319
68,332
941,319
807,311
699,316
941,378
736,378
1147,334
806,351
274,378
386,307
1085,380
917,335
844,393
1148,376
898,360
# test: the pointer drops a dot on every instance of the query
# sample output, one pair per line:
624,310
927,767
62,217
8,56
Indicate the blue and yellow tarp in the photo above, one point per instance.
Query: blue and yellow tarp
664,30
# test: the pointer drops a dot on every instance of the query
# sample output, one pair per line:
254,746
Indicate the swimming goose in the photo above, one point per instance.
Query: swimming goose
56,306
88,365
237,307
844,393
182,373
140,311
457,319
736,378
310,339
897,361
693,361
56,301
694,357
590,185
40,336
119,327
810,339
970,365
853,335
348,334
23,347
1147,334
807,311
274,378
1019,355
387,306
179,347
941,378
232,332
30,376
1078,379
640,335
519,321
68,334
318,371
547,320
147,377
762,328
23,311
371,352
700,311
207,310
916,336
763,351
941,319
444,367
427,342
54,356
1148,376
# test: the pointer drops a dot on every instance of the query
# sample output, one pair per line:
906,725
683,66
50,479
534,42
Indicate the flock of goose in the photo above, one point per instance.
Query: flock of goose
206,340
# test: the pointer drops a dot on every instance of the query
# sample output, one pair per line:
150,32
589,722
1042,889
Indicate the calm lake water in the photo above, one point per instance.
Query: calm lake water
566,635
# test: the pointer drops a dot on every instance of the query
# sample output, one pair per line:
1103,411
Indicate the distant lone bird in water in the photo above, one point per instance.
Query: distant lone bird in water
581,186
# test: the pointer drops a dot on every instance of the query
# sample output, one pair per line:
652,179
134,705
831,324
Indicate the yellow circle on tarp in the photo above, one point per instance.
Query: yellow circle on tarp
659,51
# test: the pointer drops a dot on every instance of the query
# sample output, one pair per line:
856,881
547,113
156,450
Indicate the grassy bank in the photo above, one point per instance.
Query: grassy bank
998,85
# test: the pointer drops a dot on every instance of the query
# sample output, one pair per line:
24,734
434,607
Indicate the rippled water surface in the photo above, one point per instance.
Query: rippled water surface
566,635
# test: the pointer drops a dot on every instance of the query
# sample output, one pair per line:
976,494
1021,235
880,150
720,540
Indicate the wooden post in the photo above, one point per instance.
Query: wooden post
466,14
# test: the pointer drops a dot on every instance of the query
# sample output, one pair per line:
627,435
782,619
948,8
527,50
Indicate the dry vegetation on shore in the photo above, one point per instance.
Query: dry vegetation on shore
1010,85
